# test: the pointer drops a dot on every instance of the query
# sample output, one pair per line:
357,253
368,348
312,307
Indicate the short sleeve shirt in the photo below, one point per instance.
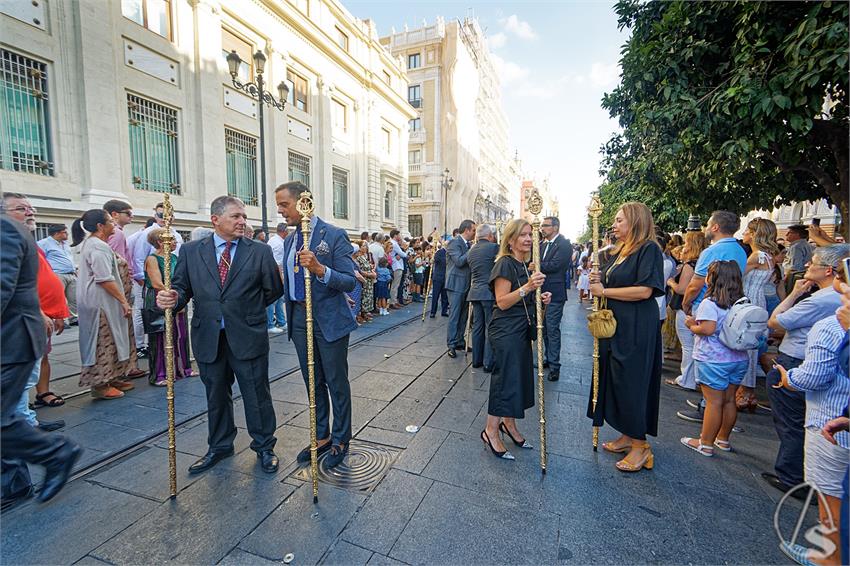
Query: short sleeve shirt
710,348
799,319
726,249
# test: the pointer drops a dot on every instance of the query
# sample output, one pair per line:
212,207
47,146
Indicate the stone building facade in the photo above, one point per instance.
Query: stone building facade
460,130
131,99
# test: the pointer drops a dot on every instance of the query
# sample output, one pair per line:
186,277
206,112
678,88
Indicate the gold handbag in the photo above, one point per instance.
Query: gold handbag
602,323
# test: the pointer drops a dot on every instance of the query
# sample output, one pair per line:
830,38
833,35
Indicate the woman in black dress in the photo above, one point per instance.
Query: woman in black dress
630,361
510,333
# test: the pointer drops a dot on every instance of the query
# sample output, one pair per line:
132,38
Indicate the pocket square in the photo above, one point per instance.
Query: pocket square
323,248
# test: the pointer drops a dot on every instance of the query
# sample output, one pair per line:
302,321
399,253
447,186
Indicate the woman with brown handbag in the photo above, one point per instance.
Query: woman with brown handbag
630,360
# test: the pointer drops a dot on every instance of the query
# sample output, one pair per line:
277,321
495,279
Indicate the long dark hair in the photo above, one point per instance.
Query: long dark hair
725,285
87,223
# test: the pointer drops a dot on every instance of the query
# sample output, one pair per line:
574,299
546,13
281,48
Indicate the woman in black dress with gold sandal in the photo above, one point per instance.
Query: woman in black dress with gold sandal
510,333
630,361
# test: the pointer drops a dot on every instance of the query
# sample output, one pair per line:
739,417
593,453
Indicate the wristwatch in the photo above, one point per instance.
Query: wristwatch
522,293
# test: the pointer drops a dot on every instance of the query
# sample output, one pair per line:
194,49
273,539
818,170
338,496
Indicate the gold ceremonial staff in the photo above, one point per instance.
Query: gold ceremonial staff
535,207
595,210
304,206
167,240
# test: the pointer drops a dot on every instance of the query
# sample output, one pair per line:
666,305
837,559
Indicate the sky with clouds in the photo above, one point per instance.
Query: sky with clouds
556,59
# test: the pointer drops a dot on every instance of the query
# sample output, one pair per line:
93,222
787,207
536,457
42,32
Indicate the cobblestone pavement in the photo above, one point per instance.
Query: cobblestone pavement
435,496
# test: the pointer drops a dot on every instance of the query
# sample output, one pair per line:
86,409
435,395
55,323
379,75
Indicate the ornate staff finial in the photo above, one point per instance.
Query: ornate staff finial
305,205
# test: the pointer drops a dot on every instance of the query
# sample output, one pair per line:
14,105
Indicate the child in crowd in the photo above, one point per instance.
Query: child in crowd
382,286
719,369
584,279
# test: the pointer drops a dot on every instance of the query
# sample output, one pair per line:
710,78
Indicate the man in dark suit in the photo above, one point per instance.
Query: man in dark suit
481,259
438,283
24,337
328,259
232,280
457,284
555,256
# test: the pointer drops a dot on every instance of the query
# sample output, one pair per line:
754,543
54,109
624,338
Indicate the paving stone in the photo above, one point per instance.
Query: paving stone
380,385
293,528
346,554
447,368
202,525
284,412
405,364
389,508
430,389
145,473
420,348
79,518
403,411
238,557
290,441
381,560
421,449
89,561
385,437
289,391
194,439
370,356
457,414
362,412
514,534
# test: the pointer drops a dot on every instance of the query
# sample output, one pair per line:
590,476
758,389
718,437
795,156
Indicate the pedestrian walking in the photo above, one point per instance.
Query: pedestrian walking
630,361
328,259
719,369
23,334
511,328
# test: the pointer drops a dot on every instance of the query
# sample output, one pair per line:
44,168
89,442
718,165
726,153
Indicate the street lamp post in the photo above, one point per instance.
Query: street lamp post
446,182
256,91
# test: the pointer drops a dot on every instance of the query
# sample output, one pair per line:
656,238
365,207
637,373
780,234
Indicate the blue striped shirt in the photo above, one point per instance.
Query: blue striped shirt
823,377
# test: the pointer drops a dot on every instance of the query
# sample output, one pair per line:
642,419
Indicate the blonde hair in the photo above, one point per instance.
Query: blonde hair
764,235
511,233
641,228
694,245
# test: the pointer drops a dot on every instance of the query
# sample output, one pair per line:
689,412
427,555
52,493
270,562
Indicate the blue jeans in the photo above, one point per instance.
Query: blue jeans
275,314
24,404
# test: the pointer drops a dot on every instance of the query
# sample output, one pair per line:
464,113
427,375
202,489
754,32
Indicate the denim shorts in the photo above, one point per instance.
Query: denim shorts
720,375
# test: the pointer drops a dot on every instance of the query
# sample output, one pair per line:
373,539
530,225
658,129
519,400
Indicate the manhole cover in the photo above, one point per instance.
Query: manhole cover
363,467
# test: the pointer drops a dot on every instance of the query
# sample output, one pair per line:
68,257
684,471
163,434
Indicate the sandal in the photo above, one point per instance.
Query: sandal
724,445
122,385
136,374
648,462
106,393
701,448
57,401
610,447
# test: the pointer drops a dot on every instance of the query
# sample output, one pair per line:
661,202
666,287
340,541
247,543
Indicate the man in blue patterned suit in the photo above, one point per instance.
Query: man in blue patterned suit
328,259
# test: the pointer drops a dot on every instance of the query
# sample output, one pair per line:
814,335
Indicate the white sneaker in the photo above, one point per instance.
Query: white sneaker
275,330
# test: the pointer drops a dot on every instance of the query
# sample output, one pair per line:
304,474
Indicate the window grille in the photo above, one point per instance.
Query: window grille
414,224
340,179
24,116
299,168
153,146
241,158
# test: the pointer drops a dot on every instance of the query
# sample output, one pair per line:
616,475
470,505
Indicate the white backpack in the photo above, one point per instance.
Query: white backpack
745,327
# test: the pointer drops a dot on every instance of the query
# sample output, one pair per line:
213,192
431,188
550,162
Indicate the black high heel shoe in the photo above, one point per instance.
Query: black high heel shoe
523,444
505,455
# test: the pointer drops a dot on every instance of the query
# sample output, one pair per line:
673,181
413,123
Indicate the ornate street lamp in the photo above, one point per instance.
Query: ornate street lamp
256,91
446,182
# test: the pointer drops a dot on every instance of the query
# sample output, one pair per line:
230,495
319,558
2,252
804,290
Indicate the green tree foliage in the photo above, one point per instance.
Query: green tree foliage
734,105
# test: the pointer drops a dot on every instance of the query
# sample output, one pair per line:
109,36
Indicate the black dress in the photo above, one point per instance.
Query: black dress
512,388
630,361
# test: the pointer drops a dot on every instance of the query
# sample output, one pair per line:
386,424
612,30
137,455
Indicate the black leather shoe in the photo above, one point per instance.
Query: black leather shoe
304,455
476,366
57,474
336,456
50,426
268,461
444,314
545,365
460,347
488,369
431,316
452,353
209,460
17,498
554,376
774,481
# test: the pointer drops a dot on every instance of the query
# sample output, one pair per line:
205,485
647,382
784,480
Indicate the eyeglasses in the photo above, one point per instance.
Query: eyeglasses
127,212
23,209
825,265
545,225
